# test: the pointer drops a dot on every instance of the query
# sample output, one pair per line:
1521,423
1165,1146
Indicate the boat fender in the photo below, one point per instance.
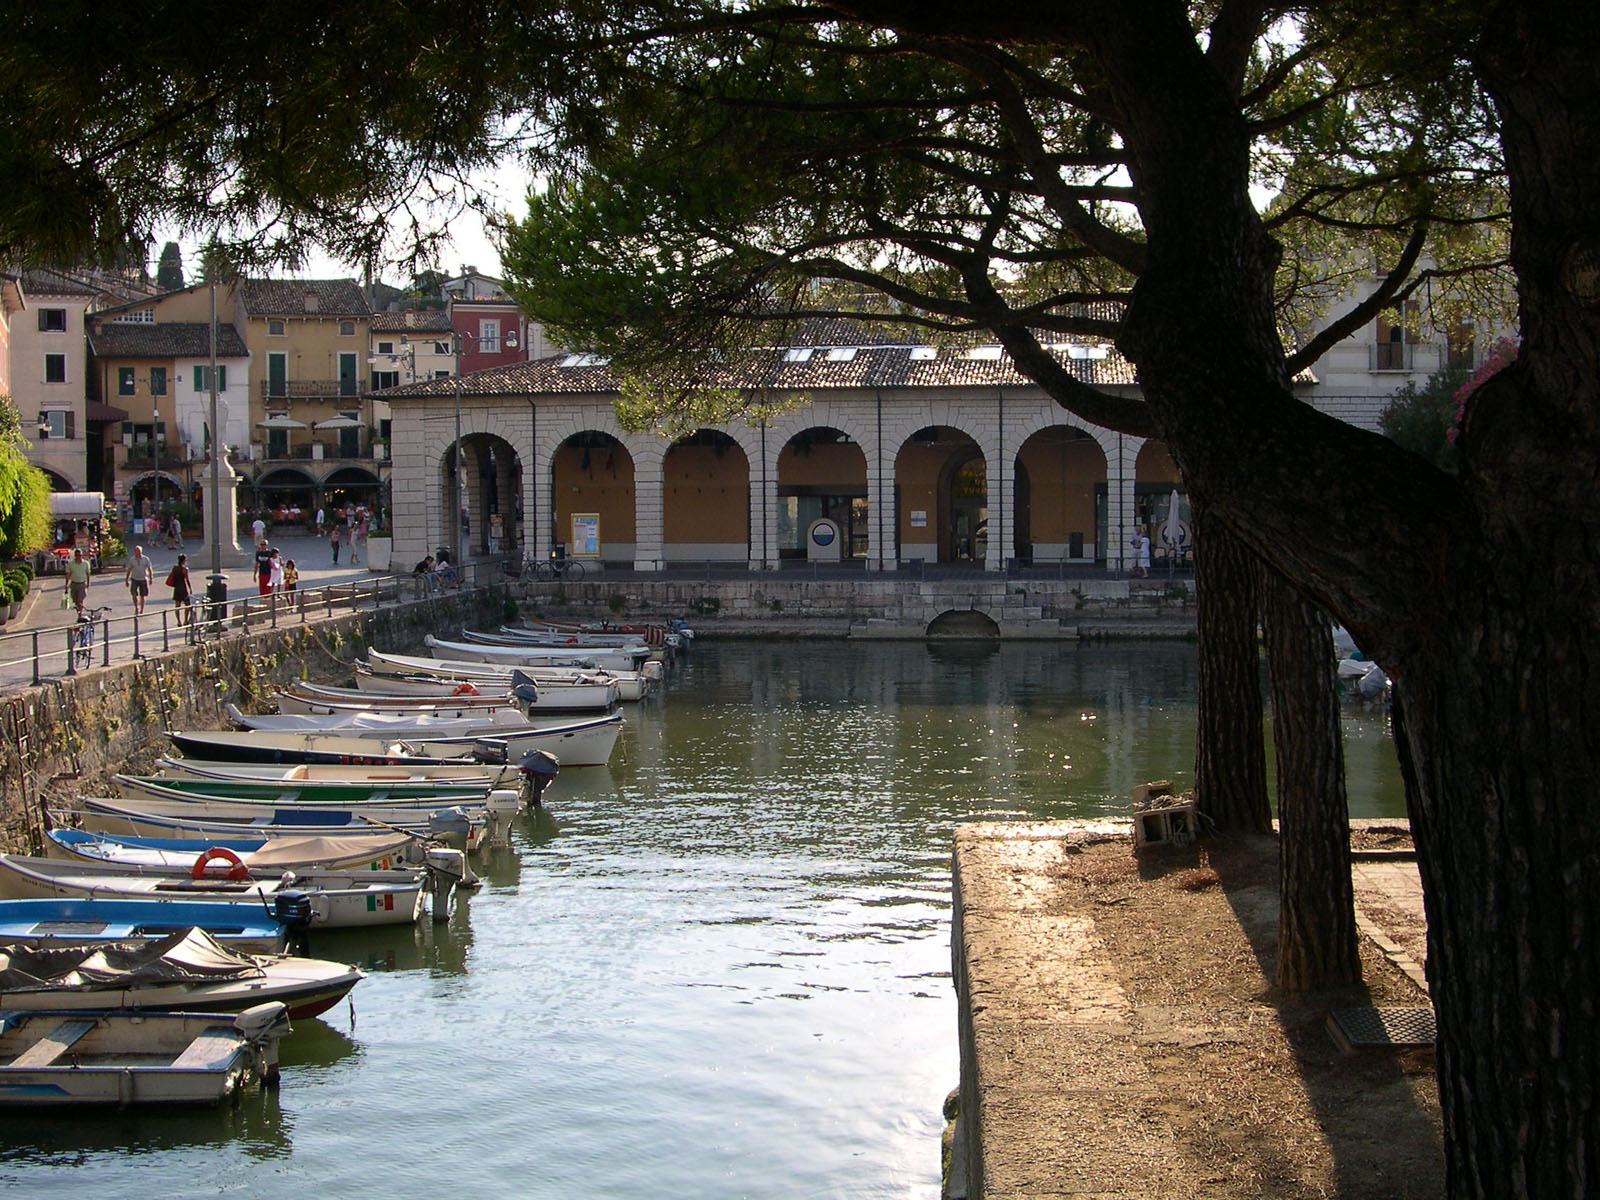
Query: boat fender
236,868
464,689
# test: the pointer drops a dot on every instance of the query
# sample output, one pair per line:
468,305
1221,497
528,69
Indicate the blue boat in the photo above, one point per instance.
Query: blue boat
246,926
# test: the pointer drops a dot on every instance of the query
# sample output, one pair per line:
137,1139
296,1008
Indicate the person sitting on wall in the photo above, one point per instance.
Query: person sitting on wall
444,570
423,573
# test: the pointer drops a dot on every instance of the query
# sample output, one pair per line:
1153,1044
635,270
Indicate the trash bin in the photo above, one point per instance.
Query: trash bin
216,598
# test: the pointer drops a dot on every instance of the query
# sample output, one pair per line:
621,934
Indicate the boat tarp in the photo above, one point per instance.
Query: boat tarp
189,956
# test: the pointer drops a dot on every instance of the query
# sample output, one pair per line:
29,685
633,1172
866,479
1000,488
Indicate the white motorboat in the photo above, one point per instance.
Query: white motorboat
332,899
584,743
378,850
617,658
78,1057
319,748
189,819
438,676
188,971
480,775
595,692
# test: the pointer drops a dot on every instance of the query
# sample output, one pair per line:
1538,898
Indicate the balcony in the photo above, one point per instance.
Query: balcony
312,389
153,456
1393,356
317,451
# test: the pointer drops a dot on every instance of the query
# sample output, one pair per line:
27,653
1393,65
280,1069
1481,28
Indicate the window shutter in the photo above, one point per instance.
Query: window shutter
72,424
127,428
43,320
199,379
222,377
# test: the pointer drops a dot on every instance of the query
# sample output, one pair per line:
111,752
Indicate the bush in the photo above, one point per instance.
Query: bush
111,546
616,602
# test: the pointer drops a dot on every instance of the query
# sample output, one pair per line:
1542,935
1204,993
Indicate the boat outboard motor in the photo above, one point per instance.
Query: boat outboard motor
489,750
537,770
292,909
500,809
446,869
526,696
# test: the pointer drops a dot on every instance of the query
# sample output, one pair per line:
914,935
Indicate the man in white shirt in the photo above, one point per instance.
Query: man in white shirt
138,577
258,527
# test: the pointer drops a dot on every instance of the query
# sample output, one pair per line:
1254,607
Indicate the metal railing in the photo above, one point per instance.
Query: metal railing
33,655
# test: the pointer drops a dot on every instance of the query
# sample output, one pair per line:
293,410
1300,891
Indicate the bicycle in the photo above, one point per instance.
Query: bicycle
548,570
81,640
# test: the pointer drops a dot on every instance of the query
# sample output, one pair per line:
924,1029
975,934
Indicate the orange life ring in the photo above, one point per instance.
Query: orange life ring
237,871
464,689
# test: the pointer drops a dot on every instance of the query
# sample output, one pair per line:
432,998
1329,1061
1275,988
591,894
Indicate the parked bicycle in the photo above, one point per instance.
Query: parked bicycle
82,638
549,570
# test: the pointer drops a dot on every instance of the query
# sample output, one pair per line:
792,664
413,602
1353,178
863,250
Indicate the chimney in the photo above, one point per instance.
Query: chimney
311,302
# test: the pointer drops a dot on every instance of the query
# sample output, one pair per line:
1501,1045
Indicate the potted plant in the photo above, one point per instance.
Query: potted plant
380,551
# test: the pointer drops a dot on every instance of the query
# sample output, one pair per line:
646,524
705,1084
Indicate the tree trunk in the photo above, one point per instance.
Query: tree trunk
1316,905
1230,758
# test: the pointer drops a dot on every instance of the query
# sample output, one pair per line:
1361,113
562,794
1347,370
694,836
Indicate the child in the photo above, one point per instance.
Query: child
291,576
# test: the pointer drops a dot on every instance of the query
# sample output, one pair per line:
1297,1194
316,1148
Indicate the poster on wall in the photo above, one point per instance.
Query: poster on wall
919,518
586,534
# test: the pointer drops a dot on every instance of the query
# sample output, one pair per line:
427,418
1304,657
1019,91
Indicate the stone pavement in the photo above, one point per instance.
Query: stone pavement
1056,1095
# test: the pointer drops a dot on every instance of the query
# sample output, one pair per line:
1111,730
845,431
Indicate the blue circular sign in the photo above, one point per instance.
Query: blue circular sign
822,533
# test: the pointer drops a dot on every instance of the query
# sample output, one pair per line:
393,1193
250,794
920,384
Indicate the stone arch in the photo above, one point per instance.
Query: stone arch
941,485
964,623
705,498
593,477
821,471
1059,496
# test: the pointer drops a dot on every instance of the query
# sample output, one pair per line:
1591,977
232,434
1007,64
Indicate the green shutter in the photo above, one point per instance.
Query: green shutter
199,379
222,377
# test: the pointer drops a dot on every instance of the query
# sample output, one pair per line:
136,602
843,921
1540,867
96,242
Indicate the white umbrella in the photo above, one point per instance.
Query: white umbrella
340,422
277,421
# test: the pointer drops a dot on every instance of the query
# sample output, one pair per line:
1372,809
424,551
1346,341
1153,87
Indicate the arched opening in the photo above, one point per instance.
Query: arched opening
941,496
285,496
355,489
1060,497
963,624
822,472
591,509
491,476
153,494
705,500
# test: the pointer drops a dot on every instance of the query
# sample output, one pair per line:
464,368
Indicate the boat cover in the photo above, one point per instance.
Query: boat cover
188,956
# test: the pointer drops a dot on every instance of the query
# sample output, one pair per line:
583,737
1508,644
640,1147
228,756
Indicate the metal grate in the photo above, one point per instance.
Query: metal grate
1400,1028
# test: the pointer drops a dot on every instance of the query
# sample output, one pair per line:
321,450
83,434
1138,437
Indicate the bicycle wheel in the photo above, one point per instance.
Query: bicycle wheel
573,571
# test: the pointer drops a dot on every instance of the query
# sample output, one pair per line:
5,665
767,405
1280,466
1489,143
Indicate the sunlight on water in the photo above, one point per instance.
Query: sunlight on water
718,968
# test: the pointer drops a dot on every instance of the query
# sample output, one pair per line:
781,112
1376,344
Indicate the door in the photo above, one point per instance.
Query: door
347,373
277,373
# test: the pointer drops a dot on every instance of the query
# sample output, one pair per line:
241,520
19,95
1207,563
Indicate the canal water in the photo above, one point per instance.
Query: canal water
717,968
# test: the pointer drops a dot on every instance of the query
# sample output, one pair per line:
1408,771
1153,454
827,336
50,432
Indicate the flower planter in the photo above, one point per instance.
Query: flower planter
380,553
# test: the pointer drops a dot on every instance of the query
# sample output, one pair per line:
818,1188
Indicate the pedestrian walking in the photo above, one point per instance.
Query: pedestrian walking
182,592
137,579
291,576
334,534
263,567
77,590
275,573
258,531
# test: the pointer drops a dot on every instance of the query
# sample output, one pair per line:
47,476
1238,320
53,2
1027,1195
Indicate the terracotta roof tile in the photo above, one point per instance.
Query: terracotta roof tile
420,320
172,339
287,298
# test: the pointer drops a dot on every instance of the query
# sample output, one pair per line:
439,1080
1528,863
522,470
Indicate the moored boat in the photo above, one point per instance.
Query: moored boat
59,919
86,1057
583,743
479,774
185,971
374,850
323,899
426,795
621,658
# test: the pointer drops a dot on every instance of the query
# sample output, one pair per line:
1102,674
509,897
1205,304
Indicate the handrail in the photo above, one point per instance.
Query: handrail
47,652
